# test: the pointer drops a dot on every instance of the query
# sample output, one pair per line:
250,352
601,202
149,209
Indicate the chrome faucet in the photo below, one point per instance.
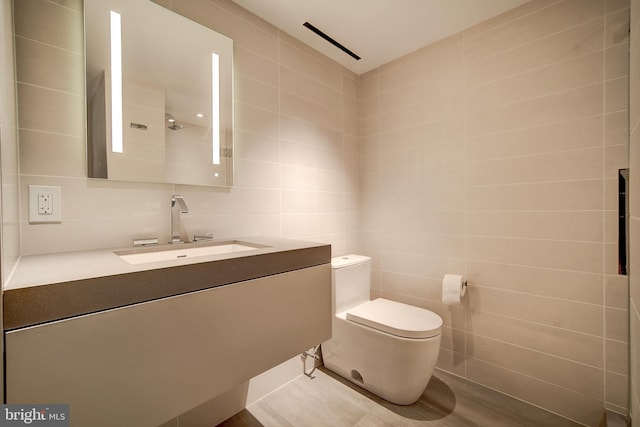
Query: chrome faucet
178,206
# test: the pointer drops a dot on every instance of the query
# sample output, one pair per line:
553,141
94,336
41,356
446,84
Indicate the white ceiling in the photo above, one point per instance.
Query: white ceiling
379,31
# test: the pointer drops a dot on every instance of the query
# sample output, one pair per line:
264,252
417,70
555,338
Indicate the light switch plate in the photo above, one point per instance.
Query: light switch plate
45,204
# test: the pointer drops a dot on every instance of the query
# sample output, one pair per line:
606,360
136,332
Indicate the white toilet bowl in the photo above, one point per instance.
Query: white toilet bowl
386,347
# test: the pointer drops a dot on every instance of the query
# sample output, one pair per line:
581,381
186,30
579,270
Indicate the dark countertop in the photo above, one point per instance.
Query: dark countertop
45,288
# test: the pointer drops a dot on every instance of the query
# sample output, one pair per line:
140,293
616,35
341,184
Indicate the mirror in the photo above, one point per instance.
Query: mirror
159,96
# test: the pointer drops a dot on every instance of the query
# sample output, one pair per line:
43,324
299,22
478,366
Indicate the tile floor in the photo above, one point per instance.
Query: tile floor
328,400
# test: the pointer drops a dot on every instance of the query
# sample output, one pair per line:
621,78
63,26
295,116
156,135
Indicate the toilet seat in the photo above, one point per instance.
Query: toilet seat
396,318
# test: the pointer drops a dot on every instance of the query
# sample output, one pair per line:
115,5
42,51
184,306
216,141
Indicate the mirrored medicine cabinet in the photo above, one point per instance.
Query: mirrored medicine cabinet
159,96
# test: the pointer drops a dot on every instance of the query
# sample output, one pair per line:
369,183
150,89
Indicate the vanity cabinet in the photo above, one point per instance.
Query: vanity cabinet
145,363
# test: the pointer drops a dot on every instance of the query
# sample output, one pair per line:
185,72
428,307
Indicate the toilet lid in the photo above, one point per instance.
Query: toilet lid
396,318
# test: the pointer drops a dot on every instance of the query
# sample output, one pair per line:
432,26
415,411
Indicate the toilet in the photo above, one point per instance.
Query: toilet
386,347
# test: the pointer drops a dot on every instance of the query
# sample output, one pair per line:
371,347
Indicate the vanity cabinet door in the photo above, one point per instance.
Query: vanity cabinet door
144,364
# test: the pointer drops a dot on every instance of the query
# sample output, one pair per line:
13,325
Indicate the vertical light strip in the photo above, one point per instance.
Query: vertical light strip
116,83
215,107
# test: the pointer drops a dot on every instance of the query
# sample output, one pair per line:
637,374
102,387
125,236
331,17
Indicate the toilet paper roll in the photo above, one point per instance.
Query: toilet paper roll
453,288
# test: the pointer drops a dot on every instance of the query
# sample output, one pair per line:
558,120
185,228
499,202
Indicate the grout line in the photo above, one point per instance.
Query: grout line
533,69
559,122
502,315
633,309
308,77
536,239
52,46
511,211
541,154
540,97
537,379
521,101
512,291
556,181
313,101
68,135
466,197
514,19
600,368
604,203
499,132
281,190
528,42
538,267
75,94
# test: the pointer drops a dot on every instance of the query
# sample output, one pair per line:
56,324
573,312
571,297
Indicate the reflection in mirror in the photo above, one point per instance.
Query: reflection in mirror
159,96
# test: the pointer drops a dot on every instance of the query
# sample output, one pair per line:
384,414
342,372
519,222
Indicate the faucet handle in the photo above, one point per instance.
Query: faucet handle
149,241
202,237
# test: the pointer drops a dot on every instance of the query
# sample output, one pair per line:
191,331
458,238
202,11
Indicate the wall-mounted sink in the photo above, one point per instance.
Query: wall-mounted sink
163,253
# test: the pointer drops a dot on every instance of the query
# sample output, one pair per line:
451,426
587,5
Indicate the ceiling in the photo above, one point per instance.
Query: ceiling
378,31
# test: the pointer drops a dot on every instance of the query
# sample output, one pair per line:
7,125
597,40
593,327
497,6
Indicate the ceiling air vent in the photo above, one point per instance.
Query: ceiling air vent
331,40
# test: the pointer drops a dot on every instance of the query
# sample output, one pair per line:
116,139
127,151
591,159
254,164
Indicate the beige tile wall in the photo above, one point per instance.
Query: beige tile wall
296,139
494,153
10,240
8,145
634,165
296,148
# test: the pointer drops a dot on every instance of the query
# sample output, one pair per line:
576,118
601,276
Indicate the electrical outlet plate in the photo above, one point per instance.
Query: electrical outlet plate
45,204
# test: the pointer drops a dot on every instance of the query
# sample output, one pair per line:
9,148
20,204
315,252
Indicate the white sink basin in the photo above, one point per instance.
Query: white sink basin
154,254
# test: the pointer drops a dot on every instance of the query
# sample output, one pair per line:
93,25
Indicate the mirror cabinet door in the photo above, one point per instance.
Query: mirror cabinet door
159,96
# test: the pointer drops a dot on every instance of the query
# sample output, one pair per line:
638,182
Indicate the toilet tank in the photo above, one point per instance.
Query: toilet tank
351,281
